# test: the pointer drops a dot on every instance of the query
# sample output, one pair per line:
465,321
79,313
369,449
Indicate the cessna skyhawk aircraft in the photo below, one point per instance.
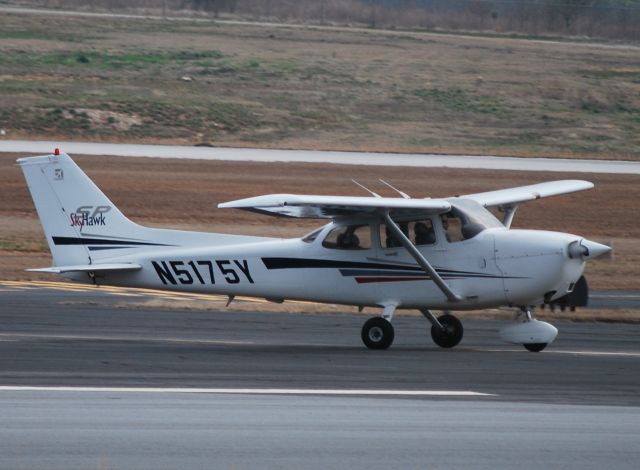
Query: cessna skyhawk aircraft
427,254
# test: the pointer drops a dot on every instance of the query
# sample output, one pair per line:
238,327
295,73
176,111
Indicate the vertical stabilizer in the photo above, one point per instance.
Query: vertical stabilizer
78,220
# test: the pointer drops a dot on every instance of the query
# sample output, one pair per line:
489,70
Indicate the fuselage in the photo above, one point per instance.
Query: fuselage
496,267
444,254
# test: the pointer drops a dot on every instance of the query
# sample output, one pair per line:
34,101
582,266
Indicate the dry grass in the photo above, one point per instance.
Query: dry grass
252,85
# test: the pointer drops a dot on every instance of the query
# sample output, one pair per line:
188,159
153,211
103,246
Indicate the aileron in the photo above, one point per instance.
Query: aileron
518,195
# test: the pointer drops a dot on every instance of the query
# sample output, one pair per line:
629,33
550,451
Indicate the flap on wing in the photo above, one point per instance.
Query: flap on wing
113,267
528,193
329,207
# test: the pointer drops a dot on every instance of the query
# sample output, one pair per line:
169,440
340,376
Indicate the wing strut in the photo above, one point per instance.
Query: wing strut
509,210
421,260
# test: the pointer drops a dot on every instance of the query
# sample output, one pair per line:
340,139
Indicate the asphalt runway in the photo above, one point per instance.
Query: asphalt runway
86,381
310,156
136,431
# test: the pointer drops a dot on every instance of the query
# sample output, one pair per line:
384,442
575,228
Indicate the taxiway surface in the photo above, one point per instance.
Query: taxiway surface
101,380
310,156
87,338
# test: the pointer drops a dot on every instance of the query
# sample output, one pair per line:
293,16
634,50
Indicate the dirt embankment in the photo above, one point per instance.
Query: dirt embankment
257,85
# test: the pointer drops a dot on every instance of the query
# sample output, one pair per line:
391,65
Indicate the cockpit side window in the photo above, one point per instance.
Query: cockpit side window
423,233
452,224
349,237
420,232
387,240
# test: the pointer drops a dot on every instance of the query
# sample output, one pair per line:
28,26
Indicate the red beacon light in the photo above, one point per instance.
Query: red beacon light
56,152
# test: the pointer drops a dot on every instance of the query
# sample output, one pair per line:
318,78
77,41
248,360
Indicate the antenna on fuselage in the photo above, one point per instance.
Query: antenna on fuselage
403,194
366,189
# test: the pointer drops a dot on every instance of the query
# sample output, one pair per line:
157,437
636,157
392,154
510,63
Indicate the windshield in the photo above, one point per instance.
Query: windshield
311,237
466,219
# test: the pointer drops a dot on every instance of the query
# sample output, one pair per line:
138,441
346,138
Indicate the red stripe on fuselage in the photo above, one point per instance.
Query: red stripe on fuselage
366,280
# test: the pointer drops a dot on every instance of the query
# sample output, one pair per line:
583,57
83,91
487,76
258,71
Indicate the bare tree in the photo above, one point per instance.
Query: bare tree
569,10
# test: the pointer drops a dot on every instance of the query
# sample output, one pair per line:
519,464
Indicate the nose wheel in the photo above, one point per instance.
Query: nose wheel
533,334
377,333
535,347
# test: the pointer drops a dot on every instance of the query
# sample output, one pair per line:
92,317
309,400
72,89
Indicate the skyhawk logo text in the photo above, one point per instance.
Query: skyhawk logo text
89,216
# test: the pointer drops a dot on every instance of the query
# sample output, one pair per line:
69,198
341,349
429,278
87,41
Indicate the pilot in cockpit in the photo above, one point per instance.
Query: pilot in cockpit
424,235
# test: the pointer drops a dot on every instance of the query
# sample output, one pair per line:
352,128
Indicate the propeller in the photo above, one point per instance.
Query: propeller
587,249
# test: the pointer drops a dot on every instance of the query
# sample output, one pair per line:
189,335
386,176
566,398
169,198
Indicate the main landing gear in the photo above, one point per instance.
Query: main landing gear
446,330
378,333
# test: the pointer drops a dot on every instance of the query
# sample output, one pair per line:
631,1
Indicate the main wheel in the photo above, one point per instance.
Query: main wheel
377,333
452,333
535,347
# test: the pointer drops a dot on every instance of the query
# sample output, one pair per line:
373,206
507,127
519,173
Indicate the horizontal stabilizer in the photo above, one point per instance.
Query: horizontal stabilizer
86,268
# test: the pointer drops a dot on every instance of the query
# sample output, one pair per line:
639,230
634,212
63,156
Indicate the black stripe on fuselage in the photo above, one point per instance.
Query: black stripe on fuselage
348,268
100,241
292,263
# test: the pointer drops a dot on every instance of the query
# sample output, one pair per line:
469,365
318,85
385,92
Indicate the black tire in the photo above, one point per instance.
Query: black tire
535,347
377,333
452,333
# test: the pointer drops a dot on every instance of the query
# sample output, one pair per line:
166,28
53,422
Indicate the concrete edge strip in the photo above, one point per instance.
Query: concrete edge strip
251,391
487,162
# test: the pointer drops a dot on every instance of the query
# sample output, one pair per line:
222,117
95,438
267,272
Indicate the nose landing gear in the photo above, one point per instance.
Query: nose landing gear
533,334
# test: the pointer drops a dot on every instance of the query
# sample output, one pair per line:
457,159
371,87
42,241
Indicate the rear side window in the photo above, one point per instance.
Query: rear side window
349,237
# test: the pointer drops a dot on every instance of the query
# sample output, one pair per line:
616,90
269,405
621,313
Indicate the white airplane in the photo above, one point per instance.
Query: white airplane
393,253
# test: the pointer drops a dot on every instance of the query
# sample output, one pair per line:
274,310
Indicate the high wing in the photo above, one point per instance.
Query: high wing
514,196
329,207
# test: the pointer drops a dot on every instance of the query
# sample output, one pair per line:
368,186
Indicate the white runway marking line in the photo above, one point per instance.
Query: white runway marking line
252,391
14,336
599,353
615,296
573,353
